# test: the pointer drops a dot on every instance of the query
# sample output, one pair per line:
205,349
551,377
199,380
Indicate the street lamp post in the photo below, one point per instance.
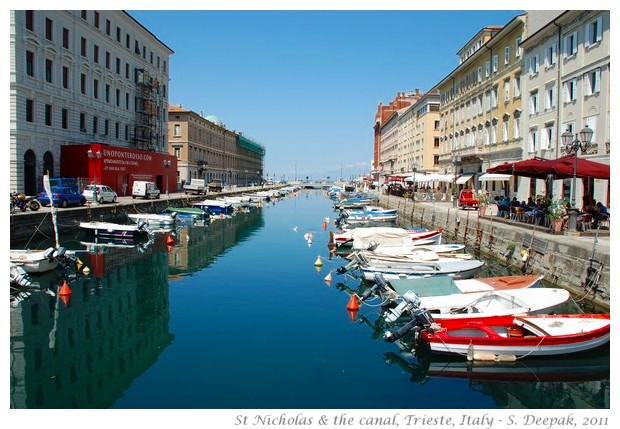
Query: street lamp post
571,147
414,168
94,156
456,161
167,164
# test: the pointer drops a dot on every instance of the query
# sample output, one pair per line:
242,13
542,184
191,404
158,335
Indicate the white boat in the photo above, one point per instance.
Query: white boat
154,219
442,298
404,251
363,238
115,230
34,261
447,285
458,268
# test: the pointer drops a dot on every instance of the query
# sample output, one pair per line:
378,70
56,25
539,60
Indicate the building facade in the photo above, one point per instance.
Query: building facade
82,77
205,149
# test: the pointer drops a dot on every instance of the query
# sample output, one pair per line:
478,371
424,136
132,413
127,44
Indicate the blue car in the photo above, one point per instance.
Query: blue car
63,197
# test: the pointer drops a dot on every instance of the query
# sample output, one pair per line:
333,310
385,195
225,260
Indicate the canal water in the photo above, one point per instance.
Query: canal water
236,314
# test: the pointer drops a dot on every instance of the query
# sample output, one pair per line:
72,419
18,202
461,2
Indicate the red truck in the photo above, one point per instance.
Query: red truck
467,199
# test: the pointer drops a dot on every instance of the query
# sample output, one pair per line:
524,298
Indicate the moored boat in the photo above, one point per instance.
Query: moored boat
509,337
216,207
114,230
34,261
154,219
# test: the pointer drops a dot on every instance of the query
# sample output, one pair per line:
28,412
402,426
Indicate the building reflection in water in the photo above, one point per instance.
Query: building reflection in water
116,323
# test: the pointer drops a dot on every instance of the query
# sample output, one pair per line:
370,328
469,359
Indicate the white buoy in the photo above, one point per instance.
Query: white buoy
328,278
295,229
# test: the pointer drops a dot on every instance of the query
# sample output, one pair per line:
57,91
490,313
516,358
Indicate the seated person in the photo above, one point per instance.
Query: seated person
515,202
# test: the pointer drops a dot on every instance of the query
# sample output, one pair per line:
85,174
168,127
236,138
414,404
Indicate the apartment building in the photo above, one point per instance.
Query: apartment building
205,149
81,78
482,101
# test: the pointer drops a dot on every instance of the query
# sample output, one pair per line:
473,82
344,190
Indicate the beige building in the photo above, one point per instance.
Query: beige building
205,149
481,102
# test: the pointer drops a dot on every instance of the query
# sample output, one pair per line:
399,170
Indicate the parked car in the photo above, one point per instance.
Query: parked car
144,189
467,199
104,193
63,197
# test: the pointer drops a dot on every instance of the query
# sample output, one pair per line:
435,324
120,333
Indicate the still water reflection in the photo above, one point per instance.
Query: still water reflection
236,315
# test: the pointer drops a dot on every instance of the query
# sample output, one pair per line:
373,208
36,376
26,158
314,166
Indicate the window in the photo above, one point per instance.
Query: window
107,93
570,88
96,19
590,122
30,63
533,140
493,133
108,27
96,88
107,60
570,45
65,38
505,131
83,47
29,110
436,142
495,63
126,132
517,47
96,54
534,102
436,125
65,77
83,84
479,74
550,96
48,70
49,27
177,152
594,32
534,65
516,87
127,41
176,130
506,90
592,82
127,101
507,55
83,122
95,125
106,127
547,141
64,121
118,34
480,105
118,66
550,55
30,20
117,127
84,15
517,126
494,97
127,70
118,98
48,115
488,100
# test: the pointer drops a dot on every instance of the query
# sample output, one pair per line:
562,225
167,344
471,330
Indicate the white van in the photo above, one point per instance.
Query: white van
144,189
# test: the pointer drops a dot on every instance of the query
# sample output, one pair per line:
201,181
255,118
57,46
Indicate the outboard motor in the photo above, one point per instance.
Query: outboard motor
347,267
142,225
372,245
409,302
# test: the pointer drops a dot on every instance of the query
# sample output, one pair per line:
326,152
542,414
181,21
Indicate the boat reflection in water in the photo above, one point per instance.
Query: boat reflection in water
581,380
85,350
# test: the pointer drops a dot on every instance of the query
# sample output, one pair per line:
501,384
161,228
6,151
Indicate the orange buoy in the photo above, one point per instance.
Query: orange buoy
352,314
324,226
65,289
169,240
65,299
353,305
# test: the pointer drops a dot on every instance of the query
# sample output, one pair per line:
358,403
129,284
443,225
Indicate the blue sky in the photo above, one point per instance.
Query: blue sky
306,84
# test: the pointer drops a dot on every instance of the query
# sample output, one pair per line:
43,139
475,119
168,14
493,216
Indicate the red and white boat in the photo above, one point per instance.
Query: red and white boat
362,238
509,337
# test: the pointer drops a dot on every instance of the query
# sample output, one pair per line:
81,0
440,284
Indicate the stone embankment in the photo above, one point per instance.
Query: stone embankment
565,259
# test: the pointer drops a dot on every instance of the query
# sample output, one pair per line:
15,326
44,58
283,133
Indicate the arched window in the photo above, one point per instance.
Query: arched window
48,163
30,173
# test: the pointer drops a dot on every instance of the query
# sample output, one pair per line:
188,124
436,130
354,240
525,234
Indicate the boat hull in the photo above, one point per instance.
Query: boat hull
492,336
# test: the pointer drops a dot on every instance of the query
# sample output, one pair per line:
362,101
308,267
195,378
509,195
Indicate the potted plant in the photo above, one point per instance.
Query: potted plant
556,212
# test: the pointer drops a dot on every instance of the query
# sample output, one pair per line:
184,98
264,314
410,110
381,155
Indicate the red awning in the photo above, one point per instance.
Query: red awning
561,168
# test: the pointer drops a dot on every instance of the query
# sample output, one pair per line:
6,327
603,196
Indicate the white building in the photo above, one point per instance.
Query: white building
80,77
566,86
